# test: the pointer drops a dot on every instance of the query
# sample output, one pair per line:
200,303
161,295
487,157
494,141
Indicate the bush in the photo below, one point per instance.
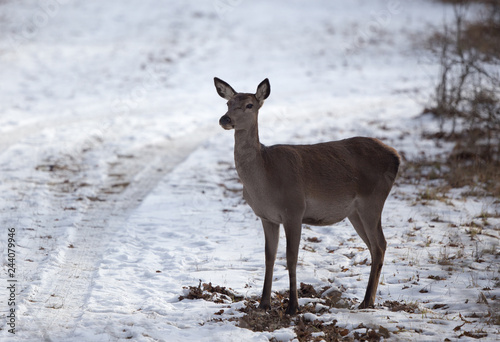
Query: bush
468,87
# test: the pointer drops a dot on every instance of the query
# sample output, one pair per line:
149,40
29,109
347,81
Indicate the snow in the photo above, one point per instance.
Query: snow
121,187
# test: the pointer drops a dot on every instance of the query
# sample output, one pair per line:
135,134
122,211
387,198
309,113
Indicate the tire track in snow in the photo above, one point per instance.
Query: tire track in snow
57,304
11,137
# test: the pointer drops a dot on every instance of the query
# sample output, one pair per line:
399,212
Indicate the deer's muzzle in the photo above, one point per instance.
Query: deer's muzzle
225,122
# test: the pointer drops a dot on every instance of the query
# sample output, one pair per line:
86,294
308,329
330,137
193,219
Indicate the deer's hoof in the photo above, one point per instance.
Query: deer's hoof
291,310
365,305
265,306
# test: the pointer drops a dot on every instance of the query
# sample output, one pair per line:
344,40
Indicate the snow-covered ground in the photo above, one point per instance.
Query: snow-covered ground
118,184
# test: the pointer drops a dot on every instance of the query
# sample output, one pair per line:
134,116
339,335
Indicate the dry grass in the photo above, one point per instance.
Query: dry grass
482,176
477,177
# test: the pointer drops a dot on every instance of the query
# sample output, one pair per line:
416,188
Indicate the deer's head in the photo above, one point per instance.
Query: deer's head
243,108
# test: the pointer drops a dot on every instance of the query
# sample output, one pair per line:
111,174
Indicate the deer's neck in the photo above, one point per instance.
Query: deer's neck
248,157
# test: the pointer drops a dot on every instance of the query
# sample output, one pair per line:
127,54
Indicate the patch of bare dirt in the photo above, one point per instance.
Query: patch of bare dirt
398,306
256,319
208,292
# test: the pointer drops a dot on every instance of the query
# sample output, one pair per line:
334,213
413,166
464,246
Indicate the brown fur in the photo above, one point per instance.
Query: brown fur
317,184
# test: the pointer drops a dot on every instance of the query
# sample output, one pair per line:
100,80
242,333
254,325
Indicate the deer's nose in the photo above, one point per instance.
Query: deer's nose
224,120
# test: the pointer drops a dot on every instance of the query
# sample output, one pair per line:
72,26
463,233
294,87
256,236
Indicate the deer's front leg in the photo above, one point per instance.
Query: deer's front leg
293,231
272,235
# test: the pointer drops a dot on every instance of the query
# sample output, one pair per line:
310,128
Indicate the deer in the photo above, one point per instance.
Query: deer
319,185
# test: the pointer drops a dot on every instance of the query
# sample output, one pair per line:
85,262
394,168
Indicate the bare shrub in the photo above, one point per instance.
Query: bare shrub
468,52
466,99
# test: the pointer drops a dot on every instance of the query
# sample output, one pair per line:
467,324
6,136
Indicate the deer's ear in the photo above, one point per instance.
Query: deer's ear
263,91
223,89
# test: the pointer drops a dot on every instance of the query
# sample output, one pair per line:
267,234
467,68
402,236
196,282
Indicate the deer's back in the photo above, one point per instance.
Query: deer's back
332,174
343,160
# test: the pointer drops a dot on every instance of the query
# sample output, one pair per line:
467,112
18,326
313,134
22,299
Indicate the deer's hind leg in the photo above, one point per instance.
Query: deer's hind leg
367,224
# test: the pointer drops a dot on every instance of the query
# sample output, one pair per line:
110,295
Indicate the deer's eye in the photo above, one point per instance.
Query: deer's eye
249,105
